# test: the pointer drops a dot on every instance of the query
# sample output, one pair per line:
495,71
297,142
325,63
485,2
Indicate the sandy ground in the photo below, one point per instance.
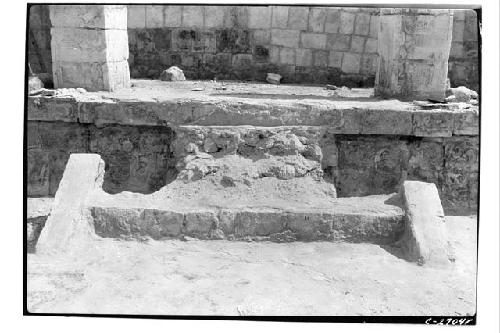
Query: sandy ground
256,278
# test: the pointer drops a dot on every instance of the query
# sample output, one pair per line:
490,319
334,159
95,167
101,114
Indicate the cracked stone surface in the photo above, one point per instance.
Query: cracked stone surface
239,278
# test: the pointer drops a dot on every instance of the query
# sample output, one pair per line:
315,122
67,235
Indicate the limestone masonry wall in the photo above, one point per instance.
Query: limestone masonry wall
304,44
364,151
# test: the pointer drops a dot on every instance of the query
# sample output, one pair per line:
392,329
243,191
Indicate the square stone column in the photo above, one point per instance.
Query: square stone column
90,47
413,47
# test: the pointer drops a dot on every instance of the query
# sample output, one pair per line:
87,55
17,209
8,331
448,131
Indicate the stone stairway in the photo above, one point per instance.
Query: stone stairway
247,182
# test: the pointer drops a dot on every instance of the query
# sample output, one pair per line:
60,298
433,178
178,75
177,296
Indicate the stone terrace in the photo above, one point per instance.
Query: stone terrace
375,143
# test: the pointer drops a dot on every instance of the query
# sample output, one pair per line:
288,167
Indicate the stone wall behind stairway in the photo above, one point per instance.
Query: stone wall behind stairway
140,159
304,44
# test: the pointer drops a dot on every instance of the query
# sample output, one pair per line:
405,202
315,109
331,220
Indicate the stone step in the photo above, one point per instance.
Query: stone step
374,219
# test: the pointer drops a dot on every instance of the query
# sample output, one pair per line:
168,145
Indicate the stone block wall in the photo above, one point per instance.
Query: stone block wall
303,44
137,158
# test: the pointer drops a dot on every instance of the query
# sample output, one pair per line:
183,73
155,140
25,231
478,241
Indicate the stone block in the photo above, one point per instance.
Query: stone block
303,57
317,18
297,18
320,58
279,17
39,16
335,59
236,17
261,53
369,64
458,31
374,26
52,110
274,54
199,223
259,17
432,124
214,16
386,122
38,172
466,123
83,45
351,63
107,76
371,45
154,16
425,239
192,16
261,223
287,38
242,60
426,160
183,39
457,50
89,16
357,44
67,227
332,21
261,37
172,16
287,56
470,29
461,154
63,137
362,25
313,41
430,38
459,14
369,166
233,41
347,22
338,42
136,16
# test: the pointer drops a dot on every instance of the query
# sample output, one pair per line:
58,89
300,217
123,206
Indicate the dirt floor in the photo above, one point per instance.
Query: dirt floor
254,278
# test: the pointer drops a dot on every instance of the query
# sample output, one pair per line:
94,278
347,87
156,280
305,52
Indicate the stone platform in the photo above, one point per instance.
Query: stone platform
360,144
353,111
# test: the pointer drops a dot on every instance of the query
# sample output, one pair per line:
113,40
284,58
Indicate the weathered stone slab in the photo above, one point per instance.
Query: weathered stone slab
386,122
68,226
367,219
432,123
424,238
60,109
466,123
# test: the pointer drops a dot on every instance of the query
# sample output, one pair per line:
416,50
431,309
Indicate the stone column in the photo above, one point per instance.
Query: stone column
90,47
413,47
